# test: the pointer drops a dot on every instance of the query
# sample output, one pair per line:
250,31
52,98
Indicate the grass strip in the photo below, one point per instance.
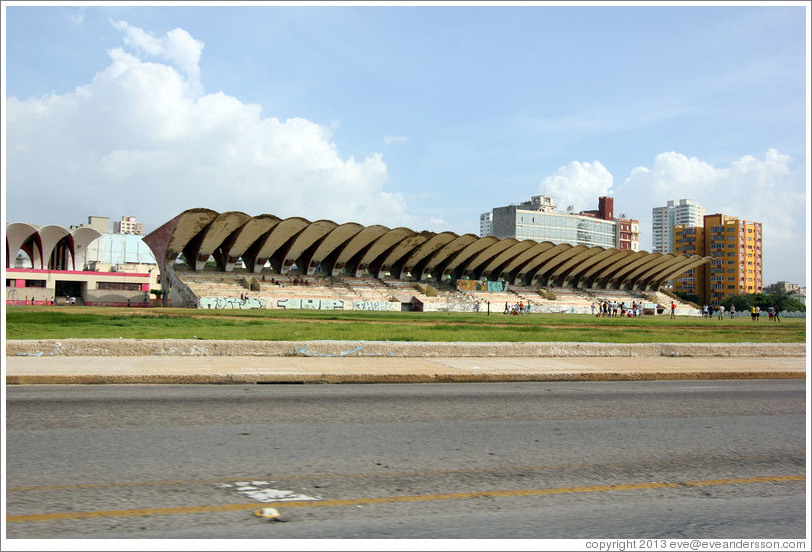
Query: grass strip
62,322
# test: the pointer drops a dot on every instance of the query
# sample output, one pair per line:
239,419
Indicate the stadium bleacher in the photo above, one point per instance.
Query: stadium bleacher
348,292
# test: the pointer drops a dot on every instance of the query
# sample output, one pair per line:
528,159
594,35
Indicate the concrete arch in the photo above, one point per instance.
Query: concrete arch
664,267
82,238
510,272
271,245
416,262
608,273
57,244
583,262
169,240
455,266
494,268
350,253
434,264
548,270
379,247
305,240
654,263
530,267
588,277
621,275
213,237
685,264
239,242
393,262
331,245
475,266
17,235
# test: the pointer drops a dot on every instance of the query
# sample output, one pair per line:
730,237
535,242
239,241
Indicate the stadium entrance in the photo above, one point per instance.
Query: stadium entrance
68,289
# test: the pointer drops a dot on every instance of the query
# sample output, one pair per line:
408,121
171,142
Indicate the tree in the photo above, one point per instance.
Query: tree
781,299
743,303
688,297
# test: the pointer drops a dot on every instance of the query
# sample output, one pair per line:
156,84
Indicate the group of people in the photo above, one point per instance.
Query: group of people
773,313
518,308
613,309
709,311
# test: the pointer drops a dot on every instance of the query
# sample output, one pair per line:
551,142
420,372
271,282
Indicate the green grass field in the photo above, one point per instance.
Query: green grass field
62,322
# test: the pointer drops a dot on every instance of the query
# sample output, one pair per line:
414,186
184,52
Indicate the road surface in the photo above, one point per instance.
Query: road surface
571,460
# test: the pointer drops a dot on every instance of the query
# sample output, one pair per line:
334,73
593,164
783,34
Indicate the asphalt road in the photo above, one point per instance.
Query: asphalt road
583,460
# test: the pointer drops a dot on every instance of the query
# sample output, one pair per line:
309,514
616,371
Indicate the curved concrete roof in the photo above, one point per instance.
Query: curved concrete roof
393,261
354,249
380,246
238,243
419,257
496,264
356,245
42,243
17,235
331,243
217,232
444,254
304,240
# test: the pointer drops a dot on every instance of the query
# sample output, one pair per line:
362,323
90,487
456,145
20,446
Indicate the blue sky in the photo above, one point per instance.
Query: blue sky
422,116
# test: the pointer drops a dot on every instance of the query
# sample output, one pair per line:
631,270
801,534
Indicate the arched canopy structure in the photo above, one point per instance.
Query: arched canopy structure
354,249
49,247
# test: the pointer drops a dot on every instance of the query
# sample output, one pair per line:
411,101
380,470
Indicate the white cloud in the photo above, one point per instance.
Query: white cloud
579,185
177,47
394,140
765,190
142,139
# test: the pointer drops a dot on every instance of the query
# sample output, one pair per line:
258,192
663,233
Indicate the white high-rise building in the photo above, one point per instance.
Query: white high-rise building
663,219
486,224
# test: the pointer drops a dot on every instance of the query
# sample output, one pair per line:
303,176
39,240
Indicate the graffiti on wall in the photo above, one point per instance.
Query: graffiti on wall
476,285
312,304
375,305
454,306
232,303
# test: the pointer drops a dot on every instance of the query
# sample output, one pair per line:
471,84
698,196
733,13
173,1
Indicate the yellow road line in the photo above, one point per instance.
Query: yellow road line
393,499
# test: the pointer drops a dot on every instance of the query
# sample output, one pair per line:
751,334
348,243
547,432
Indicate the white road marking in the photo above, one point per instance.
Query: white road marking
254,491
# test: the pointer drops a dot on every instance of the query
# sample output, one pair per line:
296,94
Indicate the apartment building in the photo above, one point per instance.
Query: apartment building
736,248
129,225
682,212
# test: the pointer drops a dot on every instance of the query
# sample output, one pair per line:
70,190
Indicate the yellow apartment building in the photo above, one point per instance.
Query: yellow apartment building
736,248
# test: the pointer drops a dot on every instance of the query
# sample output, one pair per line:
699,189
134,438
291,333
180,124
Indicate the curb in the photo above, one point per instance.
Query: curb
217,348
210,379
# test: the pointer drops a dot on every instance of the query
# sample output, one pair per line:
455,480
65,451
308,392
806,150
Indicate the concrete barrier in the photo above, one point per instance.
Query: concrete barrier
215,348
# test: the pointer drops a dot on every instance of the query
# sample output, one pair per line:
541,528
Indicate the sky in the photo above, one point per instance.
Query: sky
416,115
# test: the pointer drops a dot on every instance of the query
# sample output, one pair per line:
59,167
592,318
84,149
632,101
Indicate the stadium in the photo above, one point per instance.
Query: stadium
233,260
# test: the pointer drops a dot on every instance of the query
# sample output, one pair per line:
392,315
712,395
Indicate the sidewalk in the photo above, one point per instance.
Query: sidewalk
195,361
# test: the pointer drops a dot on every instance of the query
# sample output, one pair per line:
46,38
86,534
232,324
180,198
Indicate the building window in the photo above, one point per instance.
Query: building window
120,286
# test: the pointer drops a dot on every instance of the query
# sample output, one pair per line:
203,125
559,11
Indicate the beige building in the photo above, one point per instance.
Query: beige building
129,225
